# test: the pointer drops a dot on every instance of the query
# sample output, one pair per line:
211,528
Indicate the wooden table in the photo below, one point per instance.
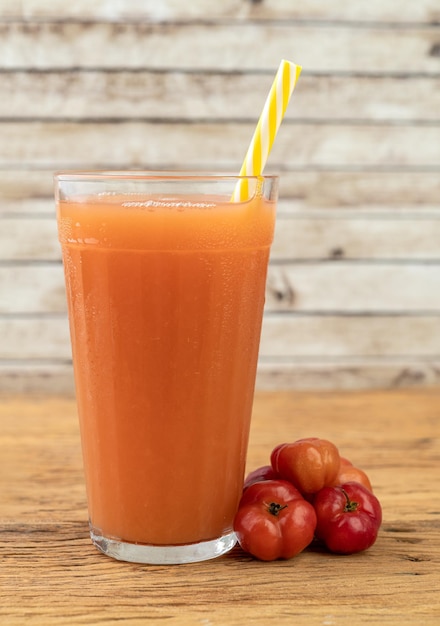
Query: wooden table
51,574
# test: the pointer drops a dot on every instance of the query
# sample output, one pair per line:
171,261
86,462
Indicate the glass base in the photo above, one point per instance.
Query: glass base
163,555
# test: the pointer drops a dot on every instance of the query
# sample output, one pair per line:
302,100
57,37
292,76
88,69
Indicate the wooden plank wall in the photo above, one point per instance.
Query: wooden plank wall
353,295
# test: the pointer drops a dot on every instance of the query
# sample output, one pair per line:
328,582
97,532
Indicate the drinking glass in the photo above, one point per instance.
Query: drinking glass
165,279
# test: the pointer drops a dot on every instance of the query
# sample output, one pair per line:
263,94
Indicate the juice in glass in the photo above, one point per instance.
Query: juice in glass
165,280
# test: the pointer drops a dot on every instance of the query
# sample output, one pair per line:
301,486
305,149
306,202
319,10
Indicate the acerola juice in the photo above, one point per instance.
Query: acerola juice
165,300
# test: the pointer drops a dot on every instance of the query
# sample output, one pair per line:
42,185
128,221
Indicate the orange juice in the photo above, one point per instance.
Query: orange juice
165,297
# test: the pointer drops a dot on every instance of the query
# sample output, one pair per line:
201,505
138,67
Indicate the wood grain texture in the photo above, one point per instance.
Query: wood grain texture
149,145
35,337
353,287
169,84
424,11
208,95
344,336
319,372
225,46
47,557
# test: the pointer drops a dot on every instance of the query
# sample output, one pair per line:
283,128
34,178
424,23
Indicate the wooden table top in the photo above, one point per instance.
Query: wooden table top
51,574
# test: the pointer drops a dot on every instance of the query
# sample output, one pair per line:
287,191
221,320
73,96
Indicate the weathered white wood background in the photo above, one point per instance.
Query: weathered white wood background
353,297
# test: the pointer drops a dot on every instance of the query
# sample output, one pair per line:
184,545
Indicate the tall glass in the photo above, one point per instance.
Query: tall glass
165,280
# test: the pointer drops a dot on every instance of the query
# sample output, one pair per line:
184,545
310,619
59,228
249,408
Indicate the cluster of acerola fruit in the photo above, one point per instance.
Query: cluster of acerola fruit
308,493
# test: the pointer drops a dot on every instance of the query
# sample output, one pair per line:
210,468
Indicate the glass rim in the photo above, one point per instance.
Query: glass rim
155,175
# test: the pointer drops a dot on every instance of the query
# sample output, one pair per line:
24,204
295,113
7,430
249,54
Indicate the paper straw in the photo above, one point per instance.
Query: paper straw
267,127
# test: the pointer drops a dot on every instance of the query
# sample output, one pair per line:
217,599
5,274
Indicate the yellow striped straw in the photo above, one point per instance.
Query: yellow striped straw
267,127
